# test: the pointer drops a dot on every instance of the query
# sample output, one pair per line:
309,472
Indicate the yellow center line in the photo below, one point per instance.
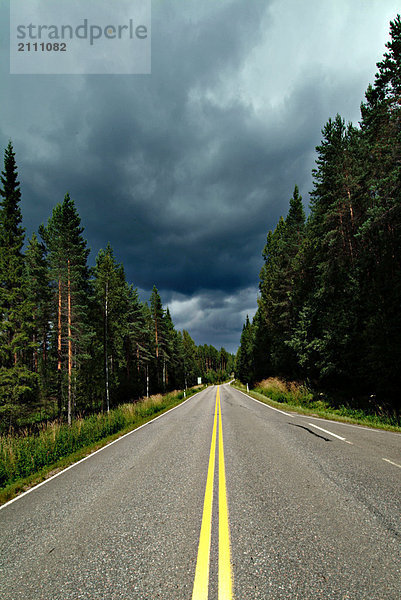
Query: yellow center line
201,581
225,575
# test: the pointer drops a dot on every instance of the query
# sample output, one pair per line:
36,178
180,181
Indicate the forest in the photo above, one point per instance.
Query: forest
76,340
329,304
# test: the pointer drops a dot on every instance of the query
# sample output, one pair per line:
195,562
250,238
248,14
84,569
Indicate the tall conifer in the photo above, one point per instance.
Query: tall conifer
39,292
16,380
68,255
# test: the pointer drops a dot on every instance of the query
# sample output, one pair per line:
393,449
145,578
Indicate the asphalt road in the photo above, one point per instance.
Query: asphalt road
310,515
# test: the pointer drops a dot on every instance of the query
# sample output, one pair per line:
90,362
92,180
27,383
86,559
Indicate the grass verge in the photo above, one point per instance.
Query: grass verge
295,397
26,460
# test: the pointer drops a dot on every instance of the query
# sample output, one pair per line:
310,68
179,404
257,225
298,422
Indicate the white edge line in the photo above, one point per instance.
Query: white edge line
363,427
360,427
96,452
329,433
265,404
392,463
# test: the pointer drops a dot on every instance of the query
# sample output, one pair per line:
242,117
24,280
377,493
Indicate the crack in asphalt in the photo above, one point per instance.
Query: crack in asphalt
310,431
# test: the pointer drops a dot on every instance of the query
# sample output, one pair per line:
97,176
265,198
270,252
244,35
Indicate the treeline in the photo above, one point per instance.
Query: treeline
329,308
74,339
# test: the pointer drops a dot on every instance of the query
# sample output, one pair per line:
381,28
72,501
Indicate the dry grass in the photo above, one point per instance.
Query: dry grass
292,392
296,396
273,382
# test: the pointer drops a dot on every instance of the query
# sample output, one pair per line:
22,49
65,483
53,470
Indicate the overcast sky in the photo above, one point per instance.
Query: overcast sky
185,170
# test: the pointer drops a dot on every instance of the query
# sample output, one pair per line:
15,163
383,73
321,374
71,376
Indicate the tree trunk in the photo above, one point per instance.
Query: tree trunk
35,347
69,416
44,350
128,356
59,348
106,366
164,372
157,343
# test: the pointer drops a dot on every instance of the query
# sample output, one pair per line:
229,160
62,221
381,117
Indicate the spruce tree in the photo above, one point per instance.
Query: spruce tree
333,294
261,349
159,336
39,292
17,381
191,367
139,348
275,317
112,298
380,234
327,329
177,379
172,368
244,365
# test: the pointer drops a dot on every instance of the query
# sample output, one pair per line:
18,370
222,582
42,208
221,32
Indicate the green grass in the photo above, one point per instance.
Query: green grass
298,398
26,460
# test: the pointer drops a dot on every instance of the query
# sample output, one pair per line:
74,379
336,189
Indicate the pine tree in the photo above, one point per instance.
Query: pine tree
68,259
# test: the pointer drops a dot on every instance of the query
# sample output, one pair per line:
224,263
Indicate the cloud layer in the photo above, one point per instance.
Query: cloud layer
185,170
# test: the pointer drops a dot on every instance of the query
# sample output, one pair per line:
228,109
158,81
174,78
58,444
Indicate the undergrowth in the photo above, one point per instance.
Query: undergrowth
298,396
24,455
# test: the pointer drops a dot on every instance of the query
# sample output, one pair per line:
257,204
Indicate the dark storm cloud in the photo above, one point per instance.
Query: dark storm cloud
212,316
185,170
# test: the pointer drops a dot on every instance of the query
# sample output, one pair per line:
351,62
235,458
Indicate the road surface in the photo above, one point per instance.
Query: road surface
300,508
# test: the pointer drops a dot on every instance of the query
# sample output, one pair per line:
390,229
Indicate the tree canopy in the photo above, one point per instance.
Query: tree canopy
74,339
329,309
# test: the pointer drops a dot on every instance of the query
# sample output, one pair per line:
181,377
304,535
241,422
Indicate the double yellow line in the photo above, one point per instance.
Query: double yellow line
201,582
